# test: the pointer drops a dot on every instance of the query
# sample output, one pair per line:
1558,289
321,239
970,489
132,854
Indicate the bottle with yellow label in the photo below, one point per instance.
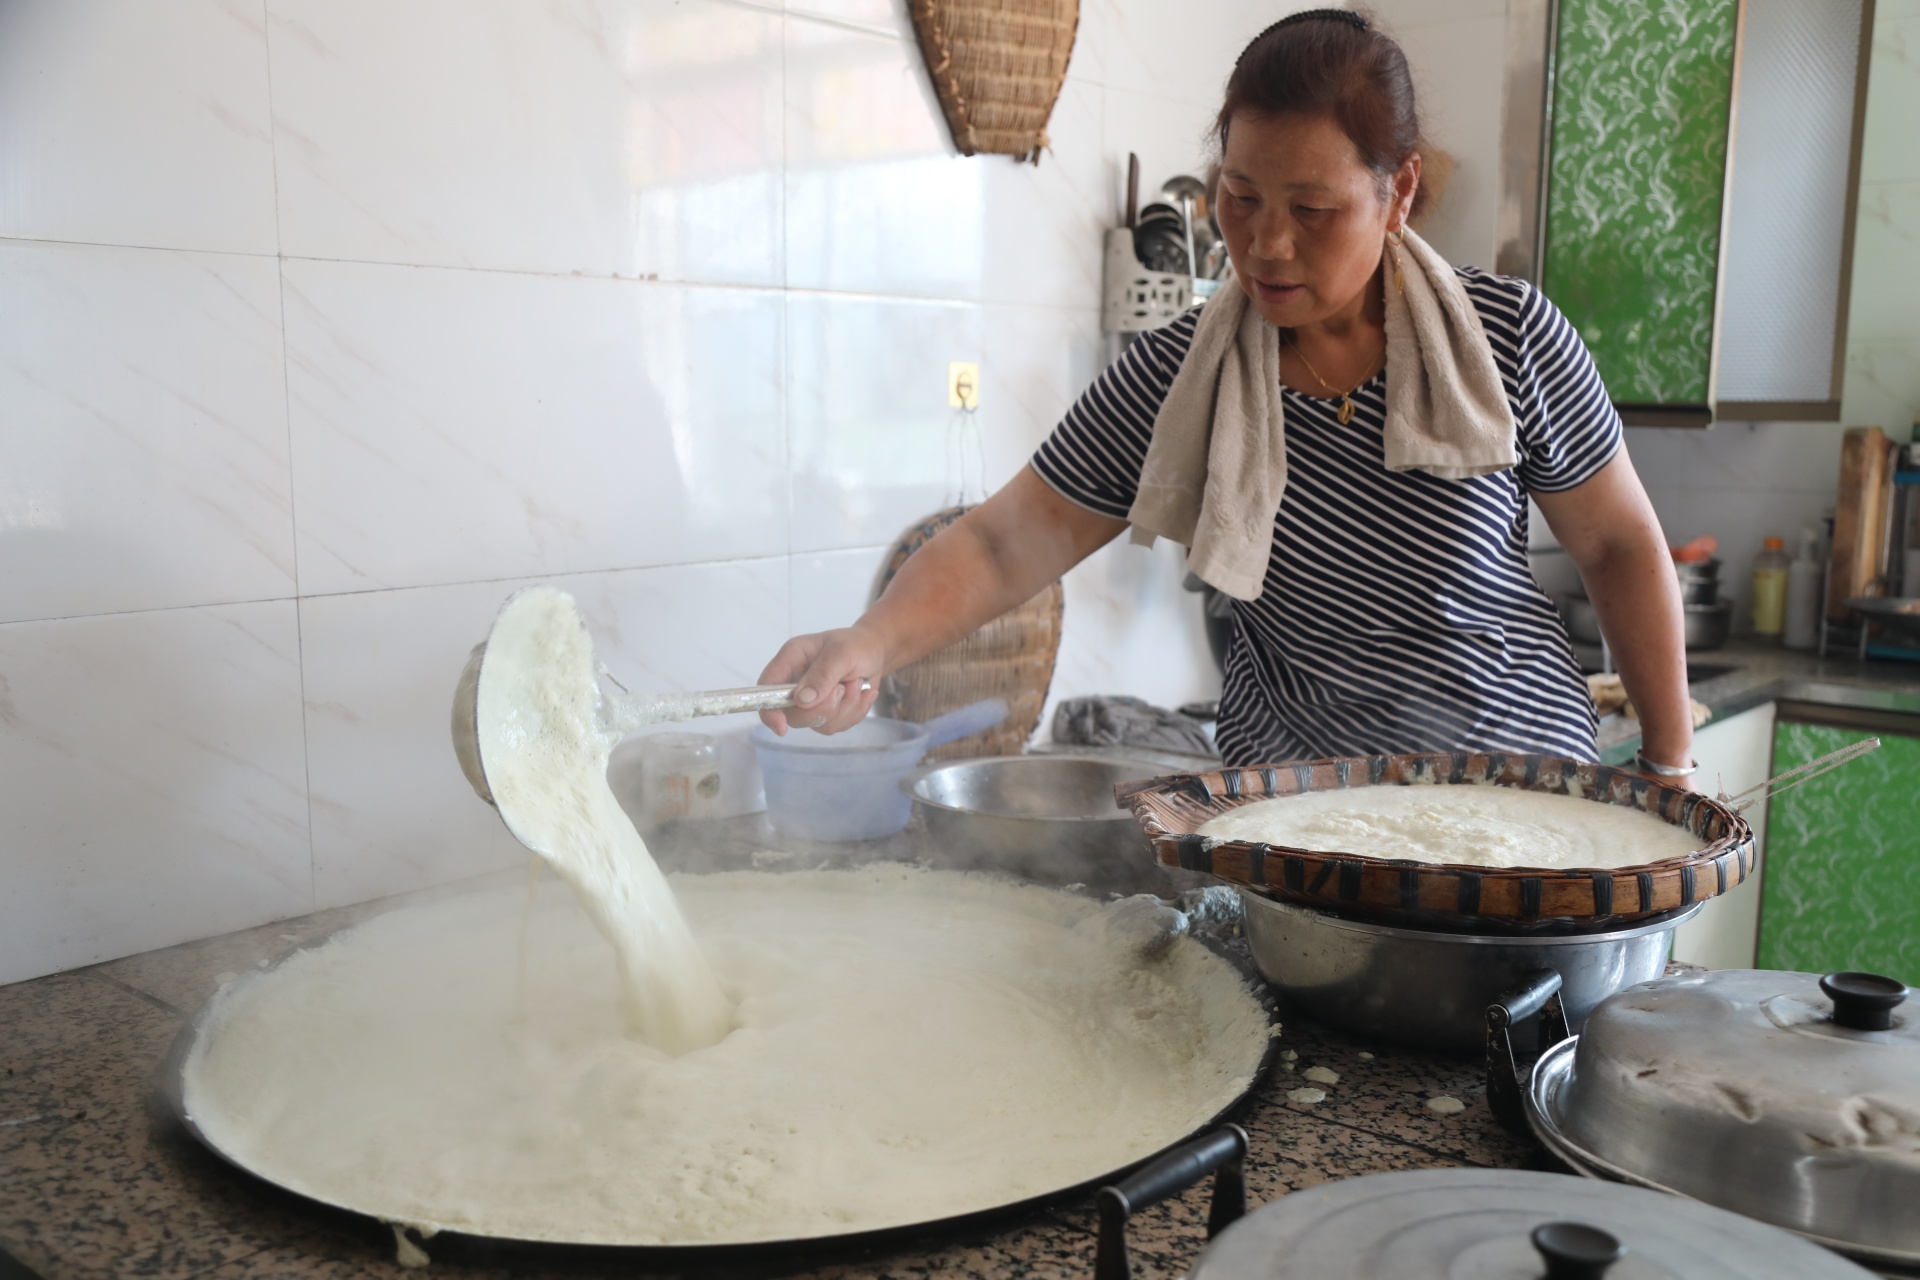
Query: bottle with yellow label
1770,571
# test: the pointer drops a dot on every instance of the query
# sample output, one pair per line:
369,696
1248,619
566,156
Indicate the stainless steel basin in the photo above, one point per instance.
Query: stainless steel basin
1049,818
1432,989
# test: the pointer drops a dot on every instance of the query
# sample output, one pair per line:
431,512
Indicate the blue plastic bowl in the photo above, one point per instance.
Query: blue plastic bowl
840,787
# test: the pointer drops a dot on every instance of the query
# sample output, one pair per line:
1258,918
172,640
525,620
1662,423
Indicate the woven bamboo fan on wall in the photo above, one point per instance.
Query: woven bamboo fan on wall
997,66
1010,657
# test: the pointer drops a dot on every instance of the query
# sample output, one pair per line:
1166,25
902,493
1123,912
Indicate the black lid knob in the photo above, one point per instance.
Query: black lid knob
1576,1251
1863,1001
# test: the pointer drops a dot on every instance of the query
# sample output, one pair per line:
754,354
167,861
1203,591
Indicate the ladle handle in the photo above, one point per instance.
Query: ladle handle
1222,1153
629,711
721,702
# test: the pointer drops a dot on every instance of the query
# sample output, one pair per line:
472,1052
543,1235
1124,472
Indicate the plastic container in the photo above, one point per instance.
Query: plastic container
846,786
679,776
1803,594
1770,588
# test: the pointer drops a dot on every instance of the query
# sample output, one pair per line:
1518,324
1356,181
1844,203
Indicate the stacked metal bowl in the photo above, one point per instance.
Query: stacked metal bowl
1709,619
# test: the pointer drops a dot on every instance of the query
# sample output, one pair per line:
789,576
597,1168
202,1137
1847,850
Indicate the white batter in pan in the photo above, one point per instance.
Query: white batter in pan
910,1044
1478,826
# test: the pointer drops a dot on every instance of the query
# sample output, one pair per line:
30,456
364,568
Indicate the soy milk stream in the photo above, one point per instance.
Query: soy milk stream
546,752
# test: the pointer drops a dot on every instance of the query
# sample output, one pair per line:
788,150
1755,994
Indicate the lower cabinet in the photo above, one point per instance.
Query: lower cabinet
1841,879
1734,754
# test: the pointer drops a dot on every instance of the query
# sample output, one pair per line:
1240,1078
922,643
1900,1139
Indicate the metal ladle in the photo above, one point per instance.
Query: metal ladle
621,712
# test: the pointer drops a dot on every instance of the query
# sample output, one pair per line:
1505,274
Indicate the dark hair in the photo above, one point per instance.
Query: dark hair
1332,62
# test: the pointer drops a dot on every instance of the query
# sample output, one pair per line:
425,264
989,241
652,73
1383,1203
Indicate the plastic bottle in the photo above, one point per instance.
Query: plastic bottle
1770,588
1803,594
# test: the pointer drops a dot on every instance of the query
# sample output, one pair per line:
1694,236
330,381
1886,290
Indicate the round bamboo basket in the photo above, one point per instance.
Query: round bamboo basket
1171,810
1011,657
997,68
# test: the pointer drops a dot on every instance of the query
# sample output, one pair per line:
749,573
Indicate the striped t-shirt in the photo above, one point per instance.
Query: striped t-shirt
1399,613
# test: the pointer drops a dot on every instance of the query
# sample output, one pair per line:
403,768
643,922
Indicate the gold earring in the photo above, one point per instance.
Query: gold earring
1393,247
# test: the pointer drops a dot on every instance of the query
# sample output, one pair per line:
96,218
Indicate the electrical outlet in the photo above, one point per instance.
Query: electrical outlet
963,384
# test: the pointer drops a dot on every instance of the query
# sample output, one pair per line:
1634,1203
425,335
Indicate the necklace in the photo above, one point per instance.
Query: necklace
1345,415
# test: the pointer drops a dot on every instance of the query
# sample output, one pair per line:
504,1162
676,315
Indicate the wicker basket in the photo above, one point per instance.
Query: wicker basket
1171,809
1010,657
997,67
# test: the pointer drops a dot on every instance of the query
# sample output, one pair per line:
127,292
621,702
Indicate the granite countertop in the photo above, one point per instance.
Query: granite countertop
97,1179
1761,674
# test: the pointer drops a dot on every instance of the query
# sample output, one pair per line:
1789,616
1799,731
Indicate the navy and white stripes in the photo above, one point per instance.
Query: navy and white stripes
1399,612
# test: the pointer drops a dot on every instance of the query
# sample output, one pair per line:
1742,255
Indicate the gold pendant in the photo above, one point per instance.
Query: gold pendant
1346,410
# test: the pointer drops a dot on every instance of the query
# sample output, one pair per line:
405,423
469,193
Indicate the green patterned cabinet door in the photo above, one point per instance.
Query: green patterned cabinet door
1841,889
1641,96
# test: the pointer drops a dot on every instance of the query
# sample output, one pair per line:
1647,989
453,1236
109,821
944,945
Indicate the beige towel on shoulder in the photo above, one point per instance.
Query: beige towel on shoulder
1217,467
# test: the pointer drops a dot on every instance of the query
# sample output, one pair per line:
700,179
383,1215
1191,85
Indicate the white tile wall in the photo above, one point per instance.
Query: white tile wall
137,124
598,138
459,425
152,779
1457,50
143,463
325,323
867,413
1893,91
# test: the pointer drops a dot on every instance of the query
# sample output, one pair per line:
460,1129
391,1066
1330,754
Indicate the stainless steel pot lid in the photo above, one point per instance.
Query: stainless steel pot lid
1807,1086
1477,1224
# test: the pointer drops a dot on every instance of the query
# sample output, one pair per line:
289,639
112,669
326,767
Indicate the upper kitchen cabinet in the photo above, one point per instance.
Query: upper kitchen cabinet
1680,179
1798,116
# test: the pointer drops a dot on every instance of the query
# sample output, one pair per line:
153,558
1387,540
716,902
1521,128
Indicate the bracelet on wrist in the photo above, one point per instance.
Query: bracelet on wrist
1659,770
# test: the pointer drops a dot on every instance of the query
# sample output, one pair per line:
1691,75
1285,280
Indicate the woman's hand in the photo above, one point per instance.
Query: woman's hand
991,559
839,677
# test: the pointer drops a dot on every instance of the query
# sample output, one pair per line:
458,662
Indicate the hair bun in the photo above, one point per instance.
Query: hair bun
1358,21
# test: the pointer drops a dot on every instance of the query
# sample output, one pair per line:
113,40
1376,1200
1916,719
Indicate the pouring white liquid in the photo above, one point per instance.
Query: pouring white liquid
546,755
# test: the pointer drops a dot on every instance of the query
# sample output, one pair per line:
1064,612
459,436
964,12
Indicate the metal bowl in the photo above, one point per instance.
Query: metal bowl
1707,625
1699,591
1045,817
1431,988
1696,570
1893,612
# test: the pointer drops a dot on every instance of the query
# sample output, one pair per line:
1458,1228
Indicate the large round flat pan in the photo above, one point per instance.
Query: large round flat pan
1544,1109
586,1253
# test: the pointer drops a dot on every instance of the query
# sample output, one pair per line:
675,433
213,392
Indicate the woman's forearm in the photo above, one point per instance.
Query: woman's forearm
1610,529
992,560
1637,598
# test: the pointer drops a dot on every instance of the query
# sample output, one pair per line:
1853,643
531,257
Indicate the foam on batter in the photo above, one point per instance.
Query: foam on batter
545,750
910,1045
1481,826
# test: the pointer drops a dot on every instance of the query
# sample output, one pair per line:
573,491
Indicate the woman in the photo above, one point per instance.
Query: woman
1393,610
